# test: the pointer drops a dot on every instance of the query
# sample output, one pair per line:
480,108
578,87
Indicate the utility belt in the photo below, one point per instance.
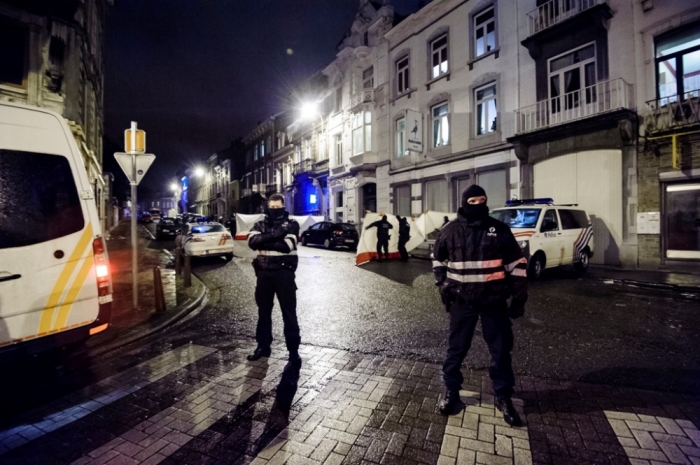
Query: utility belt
269,262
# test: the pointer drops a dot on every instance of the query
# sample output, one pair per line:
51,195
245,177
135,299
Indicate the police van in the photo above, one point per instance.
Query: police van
550,235
55,284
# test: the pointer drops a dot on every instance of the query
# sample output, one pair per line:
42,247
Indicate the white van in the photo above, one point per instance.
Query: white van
55,285
550,235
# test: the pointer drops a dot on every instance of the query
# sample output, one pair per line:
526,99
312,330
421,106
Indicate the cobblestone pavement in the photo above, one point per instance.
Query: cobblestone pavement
196,404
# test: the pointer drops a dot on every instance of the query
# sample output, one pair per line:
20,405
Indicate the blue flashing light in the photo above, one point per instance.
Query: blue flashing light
312,199
542,201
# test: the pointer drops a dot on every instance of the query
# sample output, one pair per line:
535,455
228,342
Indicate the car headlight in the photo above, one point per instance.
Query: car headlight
522,244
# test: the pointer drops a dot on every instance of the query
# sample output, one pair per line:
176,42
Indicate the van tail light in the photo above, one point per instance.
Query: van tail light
104,282
225,237
199,239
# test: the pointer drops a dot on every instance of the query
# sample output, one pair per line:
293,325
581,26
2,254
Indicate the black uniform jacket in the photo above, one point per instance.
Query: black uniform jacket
383,228
276,243
480,262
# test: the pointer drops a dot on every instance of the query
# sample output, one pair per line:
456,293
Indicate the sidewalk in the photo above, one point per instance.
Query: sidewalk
129,324
676,281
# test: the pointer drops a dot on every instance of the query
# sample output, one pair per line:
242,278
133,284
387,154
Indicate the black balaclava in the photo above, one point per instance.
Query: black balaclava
474,212
276,214
384,218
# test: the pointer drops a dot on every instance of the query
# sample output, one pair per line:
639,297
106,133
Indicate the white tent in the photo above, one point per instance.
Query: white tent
244,223
422,228
305,222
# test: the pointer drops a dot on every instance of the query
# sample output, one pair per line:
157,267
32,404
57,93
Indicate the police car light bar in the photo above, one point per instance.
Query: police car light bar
542,201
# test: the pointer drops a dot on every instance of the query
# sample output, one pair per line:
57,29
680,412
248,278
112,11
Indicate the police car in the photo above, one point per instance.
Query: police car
550,235
205,240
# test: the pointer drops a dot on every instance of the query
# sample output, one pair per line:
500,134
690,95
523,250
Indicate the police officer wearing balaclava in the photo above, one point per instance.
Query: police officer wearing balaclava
478,265
275,240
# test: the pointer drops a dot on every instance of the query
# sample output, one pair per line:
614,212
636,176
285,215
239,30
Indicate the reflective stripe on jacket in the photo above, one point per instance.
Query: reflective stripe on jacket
480,261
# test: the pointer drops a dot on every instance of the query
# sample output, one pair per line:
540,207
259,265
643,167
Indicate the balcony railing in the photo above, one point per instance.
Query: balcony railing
556,11
303,166
363,96
584,103
673,112
321,165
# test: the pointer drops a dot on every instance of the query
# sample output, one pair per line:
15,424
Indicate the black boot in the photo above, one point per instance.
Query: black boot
510,415
258,353
449,405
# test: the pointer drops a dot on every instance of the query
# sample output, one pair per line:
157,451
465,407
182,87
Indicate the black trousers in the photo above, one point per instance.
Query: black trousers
383,243
280,283
402,249
498,334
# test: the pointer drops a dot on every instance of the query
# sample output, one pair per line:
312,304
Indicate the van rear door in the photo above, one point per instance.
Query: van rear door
47,277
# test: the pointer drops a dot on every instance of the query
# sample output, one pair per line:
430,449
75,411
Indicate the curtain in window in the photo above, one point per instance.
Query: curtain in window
436,196
403,201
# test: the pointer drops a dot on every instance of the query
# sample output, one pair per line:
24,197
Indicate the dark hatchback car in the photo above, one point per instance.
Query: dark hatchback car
331,235
168,227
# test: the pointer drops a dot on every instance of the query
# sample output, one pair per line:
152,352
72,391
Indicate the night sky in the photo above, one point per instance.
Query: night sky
197,74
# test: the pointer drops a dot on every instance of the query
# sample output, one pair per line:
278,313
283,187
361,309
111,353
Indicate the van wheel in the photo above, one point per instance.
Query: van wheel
228,257
582,264
327,244
303,241
536,266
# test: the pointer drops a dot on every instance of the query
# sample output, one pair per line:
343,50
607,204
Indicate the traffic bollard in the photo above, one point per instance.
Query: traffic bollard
188,271
158,289
178,258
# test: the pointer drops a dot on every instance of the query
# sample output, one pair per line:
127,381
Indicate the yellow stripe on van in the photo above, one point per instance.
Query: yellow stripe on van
73,292
62,281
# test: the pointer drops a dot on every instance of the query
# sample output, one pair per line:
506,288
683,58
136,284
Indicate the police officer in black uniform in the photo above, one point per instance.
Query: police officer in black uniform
275,239
478,265
404,237
383,226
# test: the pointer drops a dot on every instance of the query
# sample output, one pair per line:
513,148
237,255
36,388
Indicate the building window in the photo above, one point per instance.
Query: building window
365,38
678,64
402,200
494,183
438,54
436,196
307,149
484,32
338,99
368,78
262,148
362,133
270,149
256,152
401,137
402,78
441,125
570,77
13,55
485,100
297,154
338,144
339,199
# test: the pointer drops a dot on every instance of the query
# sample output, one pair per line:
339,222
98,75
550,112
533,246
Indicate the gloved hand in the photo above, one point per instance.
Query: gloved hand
516,310
279,232
446,297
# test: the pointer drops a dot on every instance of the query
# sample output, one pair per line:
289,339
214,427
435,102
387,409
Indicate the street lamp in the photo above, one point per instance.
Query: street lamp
173,187
199,172
309,110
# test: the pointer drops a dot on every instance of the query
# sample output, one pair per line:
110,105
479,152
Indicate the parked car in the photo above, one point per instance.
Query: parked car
550,235
331,235
155,214
205,240
167,227
146,217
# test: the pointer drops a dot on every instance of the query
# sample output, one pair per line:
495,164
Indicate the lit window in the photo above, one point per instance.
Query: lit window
338,99
484,32
402,76
486,113
441,125
678,64
307,149
362,133
438,53
338,139
400,137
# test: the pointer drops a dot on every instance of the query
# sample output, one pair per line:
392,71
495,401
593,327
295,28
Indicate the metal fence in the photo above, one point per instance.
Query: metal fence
555,11
676,111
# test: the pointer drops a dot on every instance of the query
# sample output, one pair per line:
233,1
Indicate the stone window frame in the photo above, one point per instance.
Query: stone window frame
434,36
478,10
394,192
24,87
493,137
443,150
399,57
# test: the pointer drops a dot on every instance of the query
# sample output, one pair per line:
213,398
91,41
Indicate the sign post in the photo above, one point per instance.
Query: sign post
135,162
